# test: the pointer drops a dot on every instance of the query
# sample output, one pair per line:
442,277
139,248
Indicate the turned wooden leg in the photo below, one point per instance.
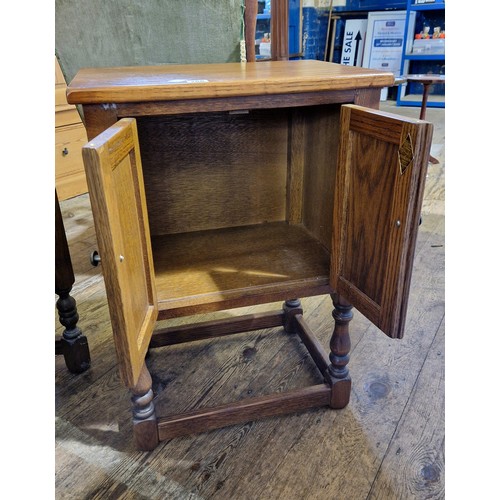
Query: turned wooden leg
73,345
340,345
291,308
143,411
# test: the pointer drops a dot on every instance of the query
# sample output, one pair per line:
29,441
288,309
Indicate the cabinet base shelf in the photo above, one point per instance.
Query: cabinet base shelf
333,392
214,269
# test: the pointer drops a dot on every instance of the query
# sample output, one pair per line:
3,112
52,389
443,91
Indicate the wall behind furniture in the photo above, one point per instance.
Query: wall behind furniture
97,33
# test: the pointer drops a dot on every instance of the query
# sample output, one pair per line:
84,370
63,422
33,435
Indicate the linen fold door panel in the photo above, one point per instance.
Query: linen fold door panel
114,173
380,181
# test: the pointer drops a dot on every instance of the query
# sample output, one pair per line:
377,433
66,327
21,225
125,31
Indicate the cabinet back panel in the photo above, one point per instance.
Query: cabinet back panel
214,170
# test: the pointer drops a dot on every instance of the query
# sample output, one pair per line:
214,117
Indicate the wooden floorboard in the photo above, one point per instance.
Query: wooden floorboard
415,456
388,443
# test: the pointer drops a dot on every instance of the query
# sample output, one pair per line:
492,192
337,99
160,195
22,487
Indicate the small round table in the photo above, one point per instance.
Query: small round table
426,81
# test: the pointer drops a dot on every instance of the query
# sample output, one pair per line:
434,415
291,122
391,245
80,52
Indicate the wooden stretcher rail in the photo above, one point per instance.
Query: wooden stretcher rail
216,328
243,411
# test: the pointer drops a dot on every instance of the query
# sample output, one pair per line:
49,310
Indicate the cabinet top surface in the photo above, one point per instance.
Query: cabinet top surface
198,81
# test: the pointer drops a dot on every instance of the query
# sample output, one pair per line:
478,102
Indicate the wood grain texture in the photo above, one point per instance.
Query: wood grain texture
238,375
70,136
202,420
321,150
214,170
377,205
64,274
144,417
59,77
206,267
72,344
368,97
244,411
406,211
68,116
98,118
367,272
316,350
296,165
386,444
216,328
279,30
250,17
215,282
190,140
417,450
280,100
171,82
113,167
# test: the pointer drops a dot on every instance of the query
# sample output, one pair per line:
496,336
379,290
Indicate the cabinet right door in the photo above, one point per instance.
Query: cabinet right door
378,198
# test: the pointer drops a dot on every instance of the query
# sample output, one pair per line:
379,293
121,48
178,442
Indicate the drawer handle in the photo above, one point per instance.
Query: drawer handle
65,152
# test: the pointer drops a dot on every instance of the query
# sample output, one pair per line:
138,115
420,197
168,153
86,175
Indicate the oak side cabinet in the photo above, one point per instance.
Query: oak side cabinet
226,185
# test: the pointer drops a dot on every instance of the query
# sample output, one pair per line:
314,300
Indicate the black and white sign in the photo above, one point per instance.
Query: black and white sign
354,42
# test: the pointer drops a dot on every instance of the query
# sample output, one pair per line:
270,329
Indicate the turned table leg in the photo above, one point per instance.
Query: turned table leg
340,345
73,345
143,411
423,109
291,308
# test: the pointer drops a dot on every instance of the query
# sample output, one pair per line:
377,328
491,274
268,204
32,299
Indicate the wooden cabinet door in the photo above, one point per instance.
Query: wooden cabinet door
378,197
114,175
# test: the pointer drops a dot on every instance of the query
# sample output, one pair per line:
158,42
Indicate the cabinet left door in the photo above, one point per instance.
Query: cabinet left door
116,189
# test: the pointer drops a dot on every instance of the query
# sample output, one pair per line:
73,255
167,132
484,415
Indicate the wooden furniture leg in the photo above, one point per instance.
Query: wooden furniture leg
333,392
291,319
251,9
425,97
73,345
426,81
423,109
340,345
291,308
143,411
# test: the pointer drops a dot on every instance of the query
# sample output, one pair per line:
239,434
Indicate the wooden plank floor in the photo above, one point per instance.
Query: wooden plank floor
388,443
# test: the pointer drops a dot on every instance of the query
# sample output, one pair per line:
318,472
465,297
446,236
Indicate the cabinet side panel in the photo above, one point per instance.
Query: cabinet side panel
214,170
321,146
296,158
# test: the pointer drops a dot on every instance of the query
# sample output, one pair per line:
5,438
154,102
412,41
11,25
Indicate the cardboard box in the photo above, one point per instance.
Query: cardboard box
428,46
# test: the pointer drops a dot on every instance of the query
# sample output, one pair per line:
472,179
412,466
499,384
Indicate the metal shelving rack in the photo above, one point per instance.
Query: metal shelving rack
404,99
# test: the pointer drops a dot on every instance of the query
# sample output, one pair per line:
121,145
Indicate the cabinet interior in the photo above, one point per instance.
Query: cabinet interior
239,204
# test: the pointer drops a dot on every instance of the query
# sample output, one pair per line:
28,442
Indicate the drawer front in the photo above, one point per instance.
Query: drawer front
67,116
59,74
69,169
60,96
